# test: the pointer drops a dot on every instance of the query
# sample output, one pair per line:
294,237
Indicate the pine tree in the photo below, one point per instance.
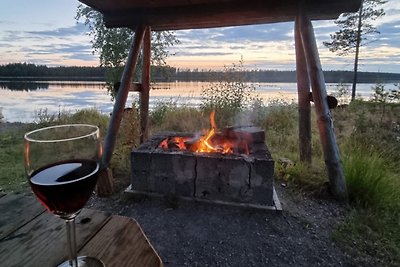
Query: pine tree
354,29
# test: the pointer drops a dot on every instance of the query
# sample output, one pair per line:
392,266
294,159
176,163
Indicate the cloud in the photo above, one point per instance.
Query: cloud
239,34
77,29
202,54
60,46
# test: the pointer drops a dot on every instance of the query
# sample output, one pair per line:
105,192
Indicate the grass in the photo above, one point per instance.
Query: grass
372,179
370,148
12,174
370,232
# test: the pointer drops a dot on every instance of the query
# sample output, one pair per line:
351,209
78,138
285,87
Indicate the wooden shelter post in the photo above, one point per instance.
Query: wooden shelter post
324,117
145,92
303,91
104,183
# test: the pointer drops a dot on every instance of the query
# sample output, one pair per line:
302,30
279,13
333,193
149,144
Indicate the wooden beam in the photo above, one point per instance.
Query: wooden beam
145,92
122,96
135,87
324,117
303,91
175,15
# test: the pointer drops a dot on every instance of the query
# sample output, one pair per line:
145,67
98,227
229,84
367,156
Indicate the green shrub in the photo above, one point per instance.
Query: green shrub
90,116
159,112
127,139
372,179
229,96
280,123
179,119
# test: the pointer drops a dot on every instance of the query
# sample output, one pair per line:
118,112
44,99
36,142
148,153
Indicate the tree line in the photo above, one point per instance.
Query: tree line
27,70
286,76
167,73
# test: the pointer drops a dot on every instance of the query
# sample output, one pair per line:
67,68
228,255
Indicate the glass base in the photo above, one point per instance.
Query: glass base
84,261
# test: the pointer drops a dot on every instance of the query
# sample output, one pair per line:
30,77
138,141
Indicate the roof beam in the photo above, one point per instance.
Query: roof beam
208,14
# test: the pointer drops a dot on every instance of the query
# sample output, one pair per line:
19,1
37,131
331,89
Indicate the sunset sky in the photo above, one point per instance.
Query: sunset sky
46,32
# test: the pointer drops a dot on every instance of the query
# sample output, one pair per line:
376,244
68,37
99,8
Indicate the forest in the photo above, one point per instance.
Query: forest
29,71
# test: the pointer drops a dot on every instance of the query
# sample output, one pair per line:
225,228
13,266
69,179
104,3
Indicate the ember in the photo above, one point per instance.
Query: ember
211,141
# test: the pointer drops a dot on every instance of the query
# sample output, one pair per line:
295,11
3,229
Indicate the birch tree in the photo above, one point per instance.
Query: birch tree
112,44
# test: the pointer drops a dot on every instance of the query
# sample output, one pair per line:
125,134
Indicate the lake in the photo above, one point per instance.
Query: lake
20,101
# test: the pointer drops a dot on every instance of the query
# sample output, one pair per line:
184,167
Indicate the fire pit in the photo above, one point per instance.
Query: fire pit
229,167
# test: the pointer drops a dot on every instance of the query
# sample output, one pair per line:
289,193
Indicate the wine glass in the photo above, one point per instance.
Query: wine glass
62,164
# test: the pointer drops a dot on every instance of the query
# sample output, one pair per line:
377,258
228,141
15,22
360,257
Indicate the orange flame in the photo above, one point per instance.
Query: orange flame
205,143
179,142
211,141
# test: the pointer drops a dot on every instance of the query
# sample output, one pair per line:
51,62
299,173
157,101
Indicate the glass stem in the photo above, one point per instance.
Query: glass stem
71,240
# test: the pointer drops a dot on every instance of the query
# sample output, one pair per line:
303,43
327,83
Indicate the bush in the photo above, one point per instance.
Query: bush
167,117
90,116
372,181
280,123
127,139
229,96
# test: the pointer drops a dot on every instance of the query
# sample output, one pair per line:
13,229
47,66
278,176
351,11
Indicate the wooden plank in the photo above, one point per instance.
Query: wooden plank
303,92
12,216
42,241
145,92
121,242
324,117
181,14
135,87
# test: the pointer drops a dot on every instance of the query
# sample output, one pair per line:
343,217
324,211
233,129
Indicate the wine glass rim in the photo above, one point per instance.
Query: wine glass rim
30,139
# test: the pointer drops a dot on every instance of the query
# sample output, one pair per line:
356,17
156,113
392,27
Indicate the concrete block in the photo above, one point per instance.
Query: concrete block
173,173
261,180
234,172
140,170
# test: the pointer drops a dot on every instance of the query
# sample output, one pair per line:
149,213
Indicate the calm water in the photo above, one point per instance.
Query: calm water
20,101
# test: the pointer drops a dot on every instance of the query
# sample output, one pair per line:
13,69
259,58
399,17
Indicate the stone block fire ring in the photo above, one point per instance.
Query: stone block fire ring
237,179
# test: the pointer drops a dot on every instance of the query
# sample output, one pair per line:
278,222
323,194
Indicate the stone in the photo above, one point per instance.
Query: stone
251,134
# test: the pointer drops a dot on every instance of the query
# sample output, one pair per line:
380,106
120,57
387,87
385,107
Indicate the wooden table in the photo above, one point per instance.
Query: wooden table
32,236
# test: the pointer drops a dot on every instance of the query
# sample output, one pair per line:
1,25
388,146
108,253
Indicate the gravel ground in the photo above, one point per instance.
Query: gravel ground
198,234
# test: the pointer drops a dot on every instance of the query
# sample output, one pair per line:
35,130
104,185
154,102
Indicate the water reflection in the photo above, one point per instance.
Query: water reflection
20,101
23,86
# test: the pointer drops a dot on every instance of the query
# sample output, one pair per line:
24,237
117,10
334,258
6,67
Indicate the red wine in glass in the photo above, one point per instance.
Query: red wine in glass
65,187
62,164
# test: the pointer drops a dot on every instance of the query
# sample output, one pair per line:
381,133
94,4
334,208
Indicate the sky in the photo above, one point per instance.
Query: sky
46,32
